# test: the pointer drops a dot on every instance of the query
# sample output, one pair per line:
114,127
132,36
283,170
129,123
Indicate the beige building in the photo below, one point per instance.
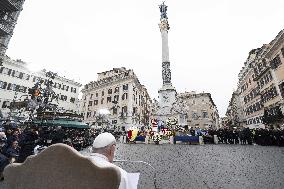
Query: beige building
248,88
117,99
261,87
201,110
234,112
270,77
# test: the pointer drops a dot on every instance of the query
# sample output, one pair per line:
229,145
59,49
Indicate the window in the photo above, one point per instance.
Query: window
5,104
116,98
9,87
90,103
124,96
72,99
194,116
67,87
275,62
257,120
97,94
205,114
17,74
7,71
102,100
281,87
74,90
23,89
108,99
17,88
96,102
89,114
109,91
116,90
103,93
125,87
13,73
124,110
282,51
58,85
91,96
114,111
63,97
134,111
21,75
1,84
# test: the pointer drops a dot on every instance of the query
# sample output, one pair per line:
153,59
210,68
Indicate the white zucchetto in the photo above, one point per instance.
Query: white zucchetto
103,140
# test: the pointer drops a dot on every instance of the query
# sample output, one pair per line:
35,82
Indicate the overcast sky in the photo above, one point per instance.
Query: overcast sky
208,40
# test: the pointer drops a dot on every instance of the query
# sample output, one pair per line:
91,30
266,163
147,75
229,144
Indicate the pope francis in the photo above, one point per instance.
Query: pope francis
103,155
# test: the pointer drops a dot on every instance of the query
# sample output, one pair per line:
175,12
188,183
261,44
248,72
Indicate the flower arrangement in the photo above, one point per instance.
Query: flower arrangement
157,138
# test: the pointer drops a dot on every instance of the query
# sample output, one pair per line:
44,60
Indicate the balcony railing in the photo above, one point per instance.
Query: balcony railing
11,5
6,27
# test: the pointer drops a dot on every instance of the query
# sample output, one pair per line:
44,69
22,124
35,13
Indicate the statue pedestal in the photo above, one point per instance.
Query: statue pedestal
167,96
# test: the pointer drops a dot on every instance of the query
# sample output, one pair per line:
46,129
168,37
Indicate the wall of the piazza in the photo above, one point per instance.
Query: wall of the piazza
261,85
16,79
202,112
126,100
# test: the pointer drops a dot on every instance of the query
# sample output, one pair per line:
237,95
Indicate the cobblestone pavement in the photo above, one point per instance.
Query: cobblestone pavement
207,166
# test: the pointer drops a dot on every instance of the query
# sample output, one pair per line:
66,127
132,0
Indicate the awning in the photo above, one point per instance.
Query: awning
63,123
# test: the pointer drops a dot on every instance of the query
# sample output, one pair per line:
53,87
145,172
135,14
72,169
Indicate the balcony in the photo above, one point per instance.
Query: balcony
6,27
11,5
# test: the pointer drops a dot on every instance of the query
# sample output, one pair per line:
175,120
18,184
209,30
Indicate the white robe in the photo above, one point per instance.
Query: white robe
102,161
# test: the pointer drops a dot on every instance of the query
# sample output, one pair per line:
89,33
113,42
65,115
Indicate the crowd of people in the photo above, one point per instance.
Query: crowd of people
19,142
259,136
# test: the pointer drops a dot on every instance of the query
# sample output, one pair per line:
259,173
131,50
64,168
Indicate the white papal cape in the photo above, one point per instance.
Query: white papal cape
102,161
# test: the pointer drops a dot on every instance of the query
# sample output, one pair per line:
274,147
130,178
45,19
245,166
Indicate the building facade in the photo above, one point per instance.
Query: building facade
16,80
9,13
116,99
261,87
234,111
201,110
